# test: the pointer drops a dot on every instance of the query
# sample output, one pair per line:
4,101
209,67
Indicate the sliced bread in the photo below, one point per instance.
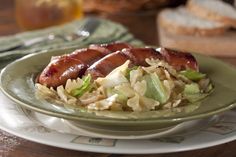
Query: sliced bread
213,10
181,21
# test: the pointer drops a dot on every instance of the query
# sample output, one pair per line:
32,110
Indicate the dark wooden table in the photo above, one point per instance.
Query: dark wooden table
12,146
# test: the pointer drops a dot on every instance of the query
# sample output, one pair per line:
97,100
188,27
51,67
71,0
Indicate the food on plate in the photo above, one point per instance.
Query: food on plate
136,56
119,77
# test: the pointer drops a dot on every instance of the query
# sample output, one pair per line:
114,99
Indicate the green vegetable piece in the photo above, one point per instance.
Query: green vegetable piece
155,88
192,88
127,75
193,75
192,92
122,98
196,97
86,86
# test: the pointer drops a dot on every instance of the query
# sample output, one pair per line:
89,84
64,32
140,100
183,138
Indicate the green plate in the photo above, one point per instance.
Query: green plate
17,82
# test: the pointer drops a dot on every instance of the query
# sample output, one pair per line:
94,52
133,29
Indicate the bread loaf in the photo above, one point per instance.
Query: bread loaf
181,21
213,10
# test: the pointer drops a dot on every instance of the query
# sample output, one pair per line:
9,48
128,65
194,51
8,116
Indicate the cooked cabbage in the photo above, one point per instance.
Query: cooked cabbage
157,86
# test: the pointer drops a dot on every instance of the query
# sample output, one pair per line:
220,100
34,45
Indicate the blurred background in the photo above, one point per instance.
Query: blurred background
139,16
21,15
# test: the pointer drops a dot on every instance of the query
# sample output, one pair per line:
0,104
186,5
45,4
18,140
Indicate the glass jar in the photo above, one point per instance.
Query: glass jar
35,14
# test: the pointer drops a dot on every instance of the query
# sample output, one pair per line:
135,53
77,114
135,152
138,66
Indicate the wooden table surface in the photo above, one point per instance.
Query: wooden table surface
12,146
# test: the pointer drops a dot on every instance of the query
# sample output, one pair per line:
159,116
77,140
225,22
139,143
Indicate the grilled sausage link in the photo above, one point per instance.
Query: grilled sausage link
92,60
60,70
70,66
112,47
137,56
105,65
179,60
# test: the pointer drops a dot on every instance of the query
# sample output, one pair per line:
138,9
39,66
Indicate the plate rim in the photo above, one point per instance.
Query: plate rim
100,149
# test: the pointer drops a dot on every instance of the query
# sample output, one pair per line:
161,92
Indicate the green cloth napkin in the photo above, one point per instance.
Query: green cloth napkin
107,31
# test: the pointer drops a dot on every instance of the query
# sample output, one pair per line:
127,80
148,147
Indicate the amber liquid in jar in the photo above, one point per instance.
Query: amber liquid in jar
35,14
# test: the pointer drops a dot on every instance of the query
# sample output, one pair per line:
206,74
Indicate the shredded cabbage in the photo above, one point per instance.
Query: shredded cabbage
157,86
86,86
193,75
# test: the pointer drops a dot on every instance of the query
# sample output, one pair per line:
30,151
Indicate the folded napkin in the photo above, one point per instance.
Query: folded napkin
107,31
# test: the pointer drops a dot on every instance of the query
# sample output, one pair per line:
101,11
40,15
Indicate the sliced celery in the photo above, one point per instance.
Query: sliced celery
86,86
193,75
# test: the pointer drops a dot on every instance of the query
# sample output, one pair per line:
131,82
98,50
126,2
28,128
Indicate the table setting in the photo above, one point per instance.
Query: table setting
32,126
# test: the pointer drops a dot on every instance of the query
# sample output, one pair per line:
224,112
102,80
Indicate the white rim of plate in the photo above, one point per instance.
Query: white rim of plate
121,146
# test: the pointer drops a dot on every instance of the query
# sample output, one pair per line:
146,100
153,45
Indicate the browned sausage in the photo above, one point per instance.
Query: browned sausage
105,65
111,47
68,66
61,69
74,65
179,60
87,56
137,56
